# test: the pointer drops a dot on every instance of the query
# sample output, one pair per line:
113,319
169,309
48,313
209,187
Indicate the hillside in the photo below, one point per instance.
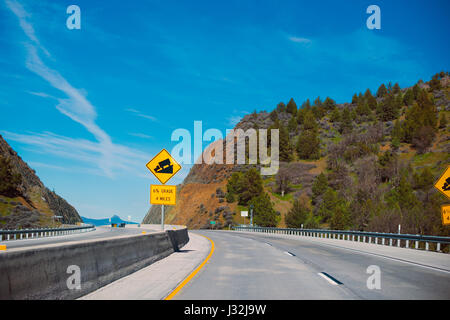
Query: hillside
368,164
25,202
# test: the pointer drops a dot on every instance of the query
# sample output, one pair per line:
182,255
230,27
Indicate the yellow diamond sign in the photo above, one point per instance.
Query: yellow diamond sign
163,166
443,184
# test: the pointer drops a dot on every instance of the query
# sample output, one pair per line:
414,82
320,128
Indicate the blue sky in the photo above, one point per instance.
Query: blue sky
88,108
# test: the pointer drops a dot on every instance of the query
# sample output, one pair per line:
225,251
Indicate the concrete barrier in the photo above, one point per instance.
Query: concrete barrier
42,272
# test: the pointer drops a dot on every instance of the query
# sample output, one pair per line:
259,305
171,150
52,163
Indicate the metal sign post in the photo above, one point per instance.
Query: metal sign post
162,217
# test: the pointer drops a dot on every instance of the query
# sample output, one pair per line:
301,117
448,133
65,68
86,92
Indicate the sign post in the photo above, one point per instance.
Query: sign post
251,214
163,167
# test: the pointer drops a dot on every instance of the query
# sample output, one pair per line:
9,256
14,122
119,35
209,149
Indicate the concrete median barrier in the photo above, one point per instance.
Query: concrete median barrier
50,272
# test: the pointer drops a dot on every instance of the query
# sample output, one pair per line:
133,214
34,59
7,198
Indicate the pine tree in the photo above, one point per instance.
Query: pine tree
309,121
297,215
382,91
389,109
286,149
397,131
335,115
408,98
308,145
355,99
281,107
263,213
292,125
292,107
346,121
319,187
329,104
396,89
250,186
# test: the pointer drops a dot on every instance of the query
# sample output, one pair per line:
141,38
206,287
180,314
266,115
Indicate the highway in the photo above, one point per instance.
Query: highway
99,233
258,266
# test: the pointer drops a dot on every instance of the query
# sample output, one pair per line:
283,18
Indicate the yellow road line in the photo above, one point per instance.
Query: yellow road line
185,281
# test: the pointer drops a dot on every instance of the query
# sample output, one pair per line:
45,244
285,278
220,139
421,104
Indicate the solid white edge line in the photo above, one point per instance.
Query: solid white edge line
328,279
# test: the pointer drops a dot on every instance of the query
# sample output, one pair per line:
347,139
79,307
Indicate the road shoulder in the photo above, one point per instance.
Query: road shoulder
158,280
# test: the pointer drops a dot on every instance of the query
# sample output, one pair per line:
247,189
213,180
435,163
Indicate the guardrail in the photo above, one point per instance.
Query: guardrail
6,235
434,243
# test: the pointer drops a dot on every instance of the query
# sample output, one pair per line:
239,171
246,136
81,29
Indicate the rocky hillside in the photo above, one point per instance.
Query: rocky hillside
25,202
360,150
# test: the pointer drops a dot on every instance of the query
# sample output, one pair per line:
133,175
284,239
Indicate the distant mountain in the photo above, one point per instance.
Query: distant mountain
103,222
25,202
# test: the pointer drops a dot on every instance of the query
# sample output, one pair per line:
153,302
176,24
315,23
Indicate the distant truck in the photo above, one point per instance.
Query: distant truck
118,225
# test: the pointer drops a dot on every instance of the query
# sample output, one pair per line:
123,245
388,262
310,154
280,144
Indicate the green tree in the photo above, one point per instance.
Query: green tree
281,107
346,125
292,125
388,109
292,107
309,121
329,203
335,115
397,132
298,214
329,104
408,98
396,89
340,219
286,148
263,213
382,91
320,185
308,145
245,186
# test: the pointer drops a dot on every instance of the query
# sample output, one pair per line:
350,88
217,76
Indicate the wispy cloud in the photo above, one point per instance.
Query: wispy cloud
27,27
140,135
107,155
299,40
140,114
123,158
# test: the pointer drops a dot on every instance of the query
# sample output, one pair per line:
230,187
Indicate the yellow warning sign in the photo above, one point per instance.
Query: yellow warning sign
443,184
163,195
163,166
445,209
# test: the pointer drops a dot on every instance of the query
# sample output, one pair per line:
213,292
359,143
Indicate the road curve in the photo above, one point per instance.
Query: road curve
255,266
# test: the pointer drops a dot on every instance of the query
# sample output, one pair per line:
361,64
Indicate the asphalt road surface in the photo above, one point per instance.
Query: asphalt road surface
99,233
247,266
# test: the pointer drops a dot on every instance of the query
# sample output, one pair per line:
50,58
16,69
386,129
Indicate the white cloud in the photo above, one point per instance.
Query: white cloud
27,27
140,135
299,40
140,114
